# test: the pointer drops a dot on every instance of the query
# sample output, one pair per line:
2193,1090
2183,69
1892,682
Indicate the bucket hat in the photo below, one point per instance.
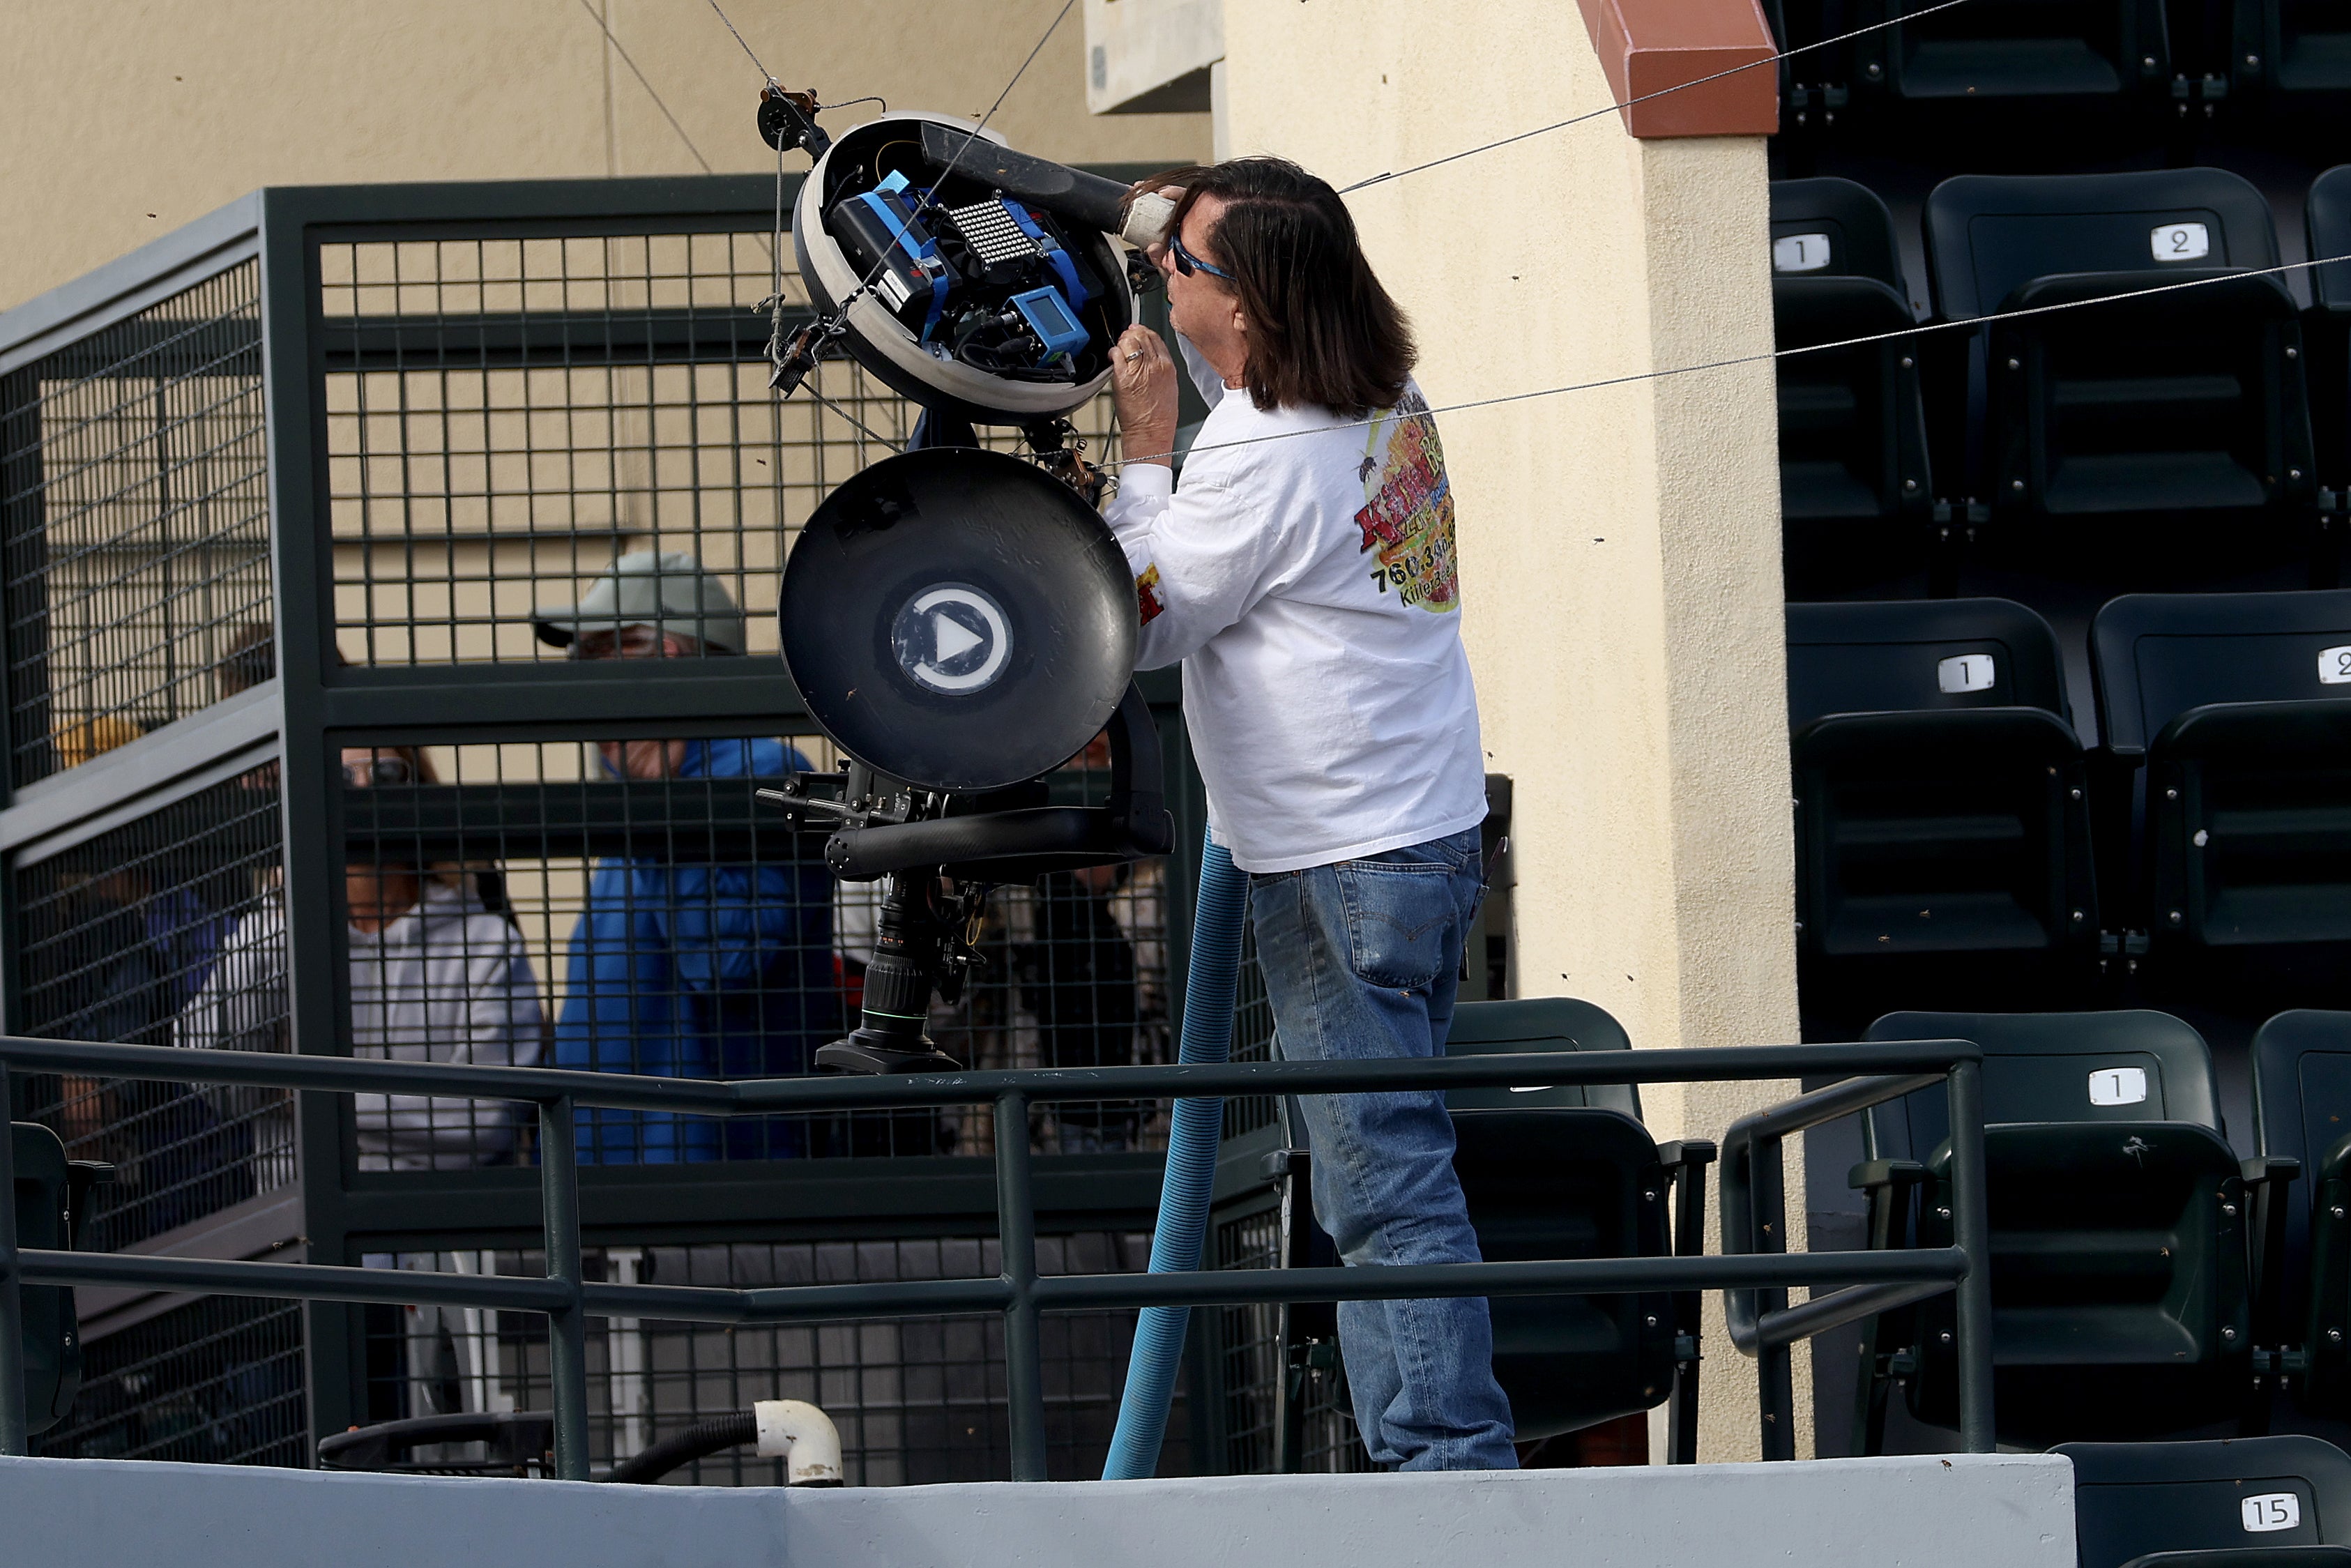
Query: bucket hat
666,590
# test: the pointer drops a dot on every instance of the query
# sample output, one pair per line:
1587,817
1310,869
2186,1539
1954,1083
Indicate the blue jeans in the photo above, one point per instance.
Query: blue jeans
1361,960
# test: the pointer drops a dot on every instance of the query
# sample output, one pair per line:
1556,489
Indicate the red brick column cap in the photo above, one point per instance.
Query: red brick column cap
1648,45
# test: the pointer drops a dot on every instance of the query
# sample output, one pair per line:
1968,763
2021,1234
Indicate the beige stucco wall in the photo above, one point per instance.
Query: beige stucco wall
1620,547
127,119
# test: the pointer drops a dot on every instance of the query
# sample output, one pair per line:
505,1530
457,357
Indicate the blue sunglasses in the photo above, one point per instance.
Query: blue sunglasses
1187,264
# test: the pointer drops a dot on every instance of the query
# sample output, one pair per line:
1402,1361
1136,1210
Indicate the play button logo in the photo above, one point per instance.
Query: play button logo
952,639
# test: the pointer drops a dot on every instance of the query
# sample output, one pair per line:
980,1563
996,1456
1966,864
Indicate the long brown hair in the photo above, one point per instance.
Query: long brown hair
1322,330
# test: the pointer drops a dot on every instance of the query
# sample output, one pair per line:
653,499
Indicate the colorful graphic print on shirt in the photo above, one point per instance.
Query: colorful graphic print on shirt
1147,598
1407,516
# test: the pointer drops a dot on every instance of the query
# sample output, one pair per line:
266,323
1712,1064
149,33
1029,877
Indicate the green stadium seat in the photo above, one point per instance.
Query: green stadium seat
2236,711
47,1185
2168,433
2291,50
2121,1301
2327,335
1855,496
1942,819
2251,1503
1555,1173
2059,51
2302,1104
1570,1172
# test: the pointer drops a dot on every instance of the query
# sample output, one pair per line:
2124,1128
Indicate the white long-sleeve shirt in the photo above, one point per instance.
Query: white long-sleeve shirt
1309,587
446,982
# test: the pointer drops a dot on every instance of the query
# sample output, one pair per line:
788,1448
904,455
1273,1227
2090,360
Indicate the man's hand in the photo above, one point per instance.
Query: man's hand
1143,389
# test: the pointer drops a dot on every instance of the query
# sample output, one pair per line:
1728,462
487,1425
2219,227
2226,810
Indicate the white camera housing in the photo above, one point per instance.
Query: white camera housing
855,163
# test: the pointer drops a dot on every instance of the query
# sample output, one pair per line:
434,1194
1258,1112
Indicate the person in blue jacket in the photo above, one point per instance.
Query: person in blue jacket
682,971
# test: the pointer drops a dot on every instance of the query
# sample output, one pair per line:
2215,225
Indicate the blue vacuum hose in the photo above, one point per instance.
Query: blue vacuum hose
1192,1137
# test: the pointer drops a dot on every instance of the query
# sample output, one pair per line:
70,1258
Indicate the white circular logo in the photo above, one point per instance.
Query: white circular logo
952,639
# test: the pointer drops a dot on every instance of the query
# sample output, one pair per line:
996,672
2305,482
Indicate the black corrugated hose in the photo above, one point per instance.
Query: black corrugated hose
698,1441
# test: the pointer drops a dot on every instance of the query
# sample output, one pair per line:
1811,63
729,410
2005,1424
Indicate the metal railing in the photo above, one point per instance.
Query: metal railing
567,1299
1754,1219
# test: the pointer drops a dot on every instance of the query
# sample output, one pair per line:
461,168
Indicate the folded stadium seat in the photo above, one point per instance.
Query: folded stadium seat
1557,1173
2301,1107
2289,51
2326,336
2253,1503
1855,494
1942,824
48,1192
2166,434
2236,708
1813,91
2121,1306
2092,53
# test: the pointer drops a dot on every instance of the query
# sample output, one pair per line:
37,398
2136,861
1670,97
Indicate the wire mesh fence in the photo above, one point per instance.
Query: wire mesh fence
146,934
218,1380
631,907
1261,1371
1252,1040
507,418
916,1400
135,525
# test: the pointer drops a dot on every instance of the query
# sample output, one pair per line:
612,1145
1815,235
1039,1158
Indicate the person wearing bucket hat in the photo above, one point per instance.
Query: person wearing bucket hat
665,592
683,970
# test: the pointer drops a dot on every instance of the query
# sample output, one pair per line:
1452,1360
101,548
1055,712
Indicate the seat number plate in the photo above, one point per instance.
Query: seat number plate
1799,253
2181,242
1965,673
2118,1086
2334,666
2270,1510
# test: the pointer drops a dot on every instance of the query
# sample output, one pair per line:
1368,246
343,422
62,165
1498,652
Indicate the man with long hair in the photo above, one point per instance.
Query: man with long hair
1303,573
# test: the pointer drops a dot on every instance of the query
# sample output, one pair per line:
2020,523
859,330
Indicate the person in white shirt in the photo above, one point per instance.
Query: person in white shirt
1303,574
435,975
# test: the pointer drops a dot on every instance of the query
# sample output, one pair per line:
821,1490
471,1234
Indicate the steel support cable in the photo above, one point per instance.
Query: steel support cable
971,136
1645,97
835,323
764,74
773,304
1922,329
619,49
840,314
864,429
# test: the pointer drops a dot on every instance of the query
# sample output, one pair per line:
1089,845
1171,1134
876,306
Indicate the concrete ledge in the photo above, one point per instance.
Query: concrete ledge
1996,1511
1151,56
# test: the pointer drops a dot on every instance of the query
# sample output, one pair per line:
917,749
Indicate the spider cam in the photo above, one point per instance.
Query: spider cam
960,621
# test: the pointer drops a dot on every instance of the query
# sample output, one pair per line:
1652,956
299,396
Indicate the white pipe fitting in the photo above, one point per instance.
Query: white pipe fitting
1147,220
803,1437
